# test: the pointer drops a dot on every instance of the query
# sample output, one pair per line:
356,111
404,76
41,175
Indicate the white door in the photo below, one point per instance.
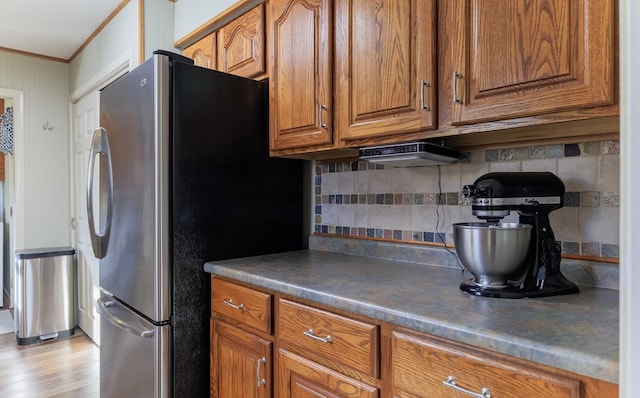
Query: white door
85,115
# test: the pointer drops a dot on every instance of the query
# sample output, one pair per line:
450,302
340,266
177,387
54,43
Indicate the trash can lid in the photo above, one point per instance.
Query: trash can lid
44,252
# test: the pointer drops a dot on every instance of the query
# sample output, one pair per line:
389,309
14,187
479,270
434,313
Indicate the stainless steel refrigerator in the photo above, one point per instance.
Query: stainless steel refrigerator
179,174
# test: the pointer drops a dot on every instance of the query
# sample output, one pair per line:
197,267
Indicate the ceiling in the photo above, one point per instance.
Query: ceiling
52,28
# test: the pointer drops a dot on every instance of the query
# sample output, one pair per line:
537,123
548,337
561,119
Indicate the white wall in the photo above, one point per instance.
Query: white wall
630,192
191,14
45,163
158,26
118,39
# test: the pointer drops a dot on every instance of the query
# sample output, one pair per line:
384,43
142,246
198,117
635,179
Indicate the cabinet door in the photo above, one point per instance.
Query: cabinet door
241,45
300,83
241,363
203,52
522,58
301,378
385,67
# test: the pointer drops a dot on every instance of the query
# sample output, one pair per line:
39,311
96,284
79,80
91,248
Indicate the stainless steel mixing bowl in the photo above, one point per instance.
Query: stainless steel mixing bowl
495,254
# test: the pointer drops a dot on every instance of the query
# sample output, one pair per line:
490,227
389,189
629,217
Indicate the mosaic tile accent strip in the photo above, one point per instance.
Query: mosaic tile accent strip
419,204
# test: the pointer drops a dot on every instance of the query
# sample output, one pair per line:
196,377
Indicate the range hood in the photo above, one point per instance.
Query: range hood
409,154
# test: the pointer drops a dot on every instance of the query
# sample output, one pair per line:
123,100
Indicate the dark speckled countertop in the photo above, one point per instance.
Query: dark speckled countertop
578,333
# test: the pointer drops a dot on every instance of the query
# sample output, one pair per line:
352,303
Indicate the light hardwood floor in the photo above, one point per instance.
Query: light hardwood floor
68,367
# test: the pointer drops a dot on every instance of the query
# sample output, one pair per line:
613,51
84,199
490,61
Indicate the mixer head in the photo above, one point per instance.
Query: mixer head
495,195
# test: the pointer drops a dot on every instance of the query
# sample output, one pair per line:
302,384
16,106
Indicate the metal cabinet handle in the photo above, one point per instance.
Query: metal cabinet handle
229,302
259,381
322,108
309,333
451,382
456,76
423,84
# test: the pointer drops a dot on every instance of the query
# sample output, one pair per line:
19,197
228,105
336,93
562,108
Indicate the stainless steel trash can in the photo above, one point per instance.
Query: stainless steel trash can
45,293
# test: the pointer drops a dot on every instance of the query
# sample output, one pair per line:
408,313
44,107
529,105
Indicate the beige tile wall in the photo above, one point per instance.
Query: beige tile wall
361,199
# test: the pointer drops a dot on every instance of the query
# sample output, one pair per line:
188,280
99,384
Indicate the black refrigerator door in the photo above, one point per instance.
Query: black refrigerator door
229,199
223,178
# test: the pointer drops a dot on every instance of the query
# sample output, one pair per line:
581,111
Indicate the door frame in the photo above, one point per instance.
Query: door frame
16,226
119,67
110,73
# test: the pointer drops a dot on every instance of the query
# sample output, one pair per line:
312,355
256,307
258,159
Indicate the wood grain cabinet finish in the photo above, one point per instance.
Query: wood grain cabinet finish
352,73
385,67
426,368
524,58
301,378
301,84
203,52
241,305
331,339
316,352
241,363
241,45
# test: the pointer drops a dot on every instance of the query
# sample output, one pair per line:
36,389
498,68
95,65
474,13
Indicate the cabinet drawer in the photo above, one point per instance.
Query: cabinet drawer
241,304
421,365
334,338
300,377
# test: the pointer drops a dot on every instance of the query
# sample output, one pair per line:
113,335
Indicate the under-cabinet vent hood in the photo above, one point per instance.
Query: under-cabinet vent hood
409,154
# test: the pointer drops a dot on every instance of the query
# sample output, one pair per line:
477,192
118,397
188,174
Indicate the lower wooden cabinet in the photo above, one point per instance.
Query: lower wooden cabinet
301,378
243,306
329,338
429,367
241,363
265,344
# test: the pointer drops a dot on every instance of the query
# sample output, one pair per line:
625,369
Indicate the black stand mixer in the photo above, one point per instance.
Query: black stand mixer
533,195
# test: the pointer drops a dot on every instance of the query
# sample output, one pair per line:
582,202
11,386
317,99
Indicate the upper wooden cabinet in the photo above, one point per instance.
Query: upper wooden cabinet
380,84
385,67
241,45
524,58
350,73
516,72
203,51
301,86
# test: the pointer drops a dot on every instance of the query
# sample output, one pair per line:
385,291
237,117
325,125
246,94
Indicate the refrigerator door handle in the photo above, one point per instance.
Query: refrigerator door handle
100,149
136,327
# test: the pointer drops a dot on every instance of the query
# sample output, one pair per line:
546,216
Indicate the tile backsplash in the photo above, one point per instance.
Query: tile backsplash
413,204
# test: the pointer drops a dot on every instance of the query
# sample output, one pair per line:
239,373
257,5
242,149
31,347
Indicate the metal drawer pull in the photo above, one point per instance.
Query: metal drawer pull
260,382
322,123
456,76
451,382
423,85
229,302
309,333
